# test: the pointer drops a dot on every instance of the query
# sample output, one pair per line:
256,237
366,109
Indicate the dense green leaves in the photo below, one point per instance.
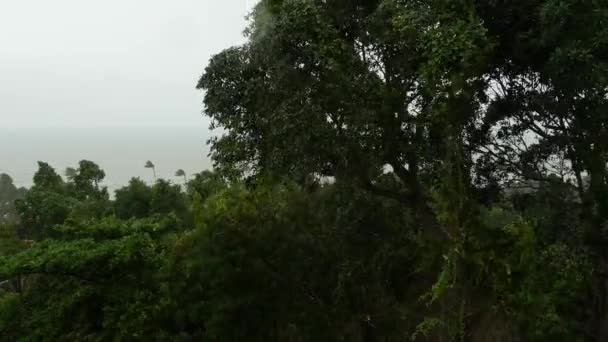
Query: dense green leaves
8,194
278,263
388,170
469,113
105,274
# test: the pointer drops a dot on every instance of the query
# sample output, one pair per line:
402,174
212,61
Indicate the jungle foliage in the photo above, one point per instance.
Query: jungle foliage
388,170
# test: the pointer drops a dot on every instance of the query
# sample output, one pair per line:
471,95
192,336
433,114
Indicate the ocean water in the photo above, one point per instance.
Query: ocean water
121,151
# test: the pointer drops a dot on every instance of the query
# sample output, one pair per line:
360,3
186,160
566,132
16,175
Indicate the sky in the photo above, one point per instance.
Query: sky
111,81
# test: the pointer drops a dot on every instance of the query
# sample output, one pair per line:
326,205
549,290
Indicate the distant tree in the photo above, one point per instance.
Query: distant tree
8,194
6,184
168,198
87,179
70,173
140,200
46,204
181,173
46,178
83,185
133,200
150,165
40,210
206,183
51,201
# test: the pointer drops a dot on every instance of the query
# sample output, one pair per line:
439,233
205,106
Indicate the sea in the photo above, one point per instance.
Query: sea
120,150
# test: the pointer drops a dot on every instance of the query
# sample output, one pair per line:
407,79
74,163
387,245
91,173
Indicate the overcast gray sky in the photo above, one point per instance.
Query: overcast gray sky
82,62
82,79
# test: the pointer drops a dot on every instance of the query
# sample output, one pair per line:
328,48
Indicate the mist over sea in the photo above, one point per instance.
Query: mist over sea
120,150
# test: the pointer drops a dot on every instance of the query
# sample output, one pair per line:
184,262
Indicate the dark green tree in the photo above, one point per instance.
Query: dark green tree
87,178
133,200
107,273
45,204
8,194
169,198
206,183
446,107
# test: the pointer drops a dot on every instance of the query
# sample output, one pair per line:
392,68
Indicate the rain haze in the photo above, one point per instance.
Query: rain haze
111,81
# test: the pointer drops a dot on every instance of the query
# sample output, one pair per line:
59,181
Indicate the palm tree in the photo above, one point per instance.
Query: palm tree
181,173
150,165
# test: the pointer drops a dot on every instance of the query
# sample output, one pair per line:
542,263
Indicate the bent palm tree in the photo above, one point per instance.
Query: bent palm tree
150,165
181,173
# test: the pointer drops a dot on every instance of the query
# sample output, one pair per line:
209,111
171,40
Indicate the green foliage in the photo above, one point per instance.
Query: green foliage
52,201
9,241
40,210
447,107
140,200
86,180
166,198
387,170
8,194
133,200
46,178
93,277
206,183
276,263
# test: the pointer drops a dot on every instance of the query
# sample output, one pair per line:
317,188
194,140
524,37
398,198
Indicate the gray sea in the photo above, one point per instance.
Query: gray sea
121,151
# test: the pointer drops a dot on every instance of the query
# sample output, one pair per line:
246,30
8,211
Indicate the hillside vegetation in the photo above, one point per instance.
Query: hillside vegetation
388,170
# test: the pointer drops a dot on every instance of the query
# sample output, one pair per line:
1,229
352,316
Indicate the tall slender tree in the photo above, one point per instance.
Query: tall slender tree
150,165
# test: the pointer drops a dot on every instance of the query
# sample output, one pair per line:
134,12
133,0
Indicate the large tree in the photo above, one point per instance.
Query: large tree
446,106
